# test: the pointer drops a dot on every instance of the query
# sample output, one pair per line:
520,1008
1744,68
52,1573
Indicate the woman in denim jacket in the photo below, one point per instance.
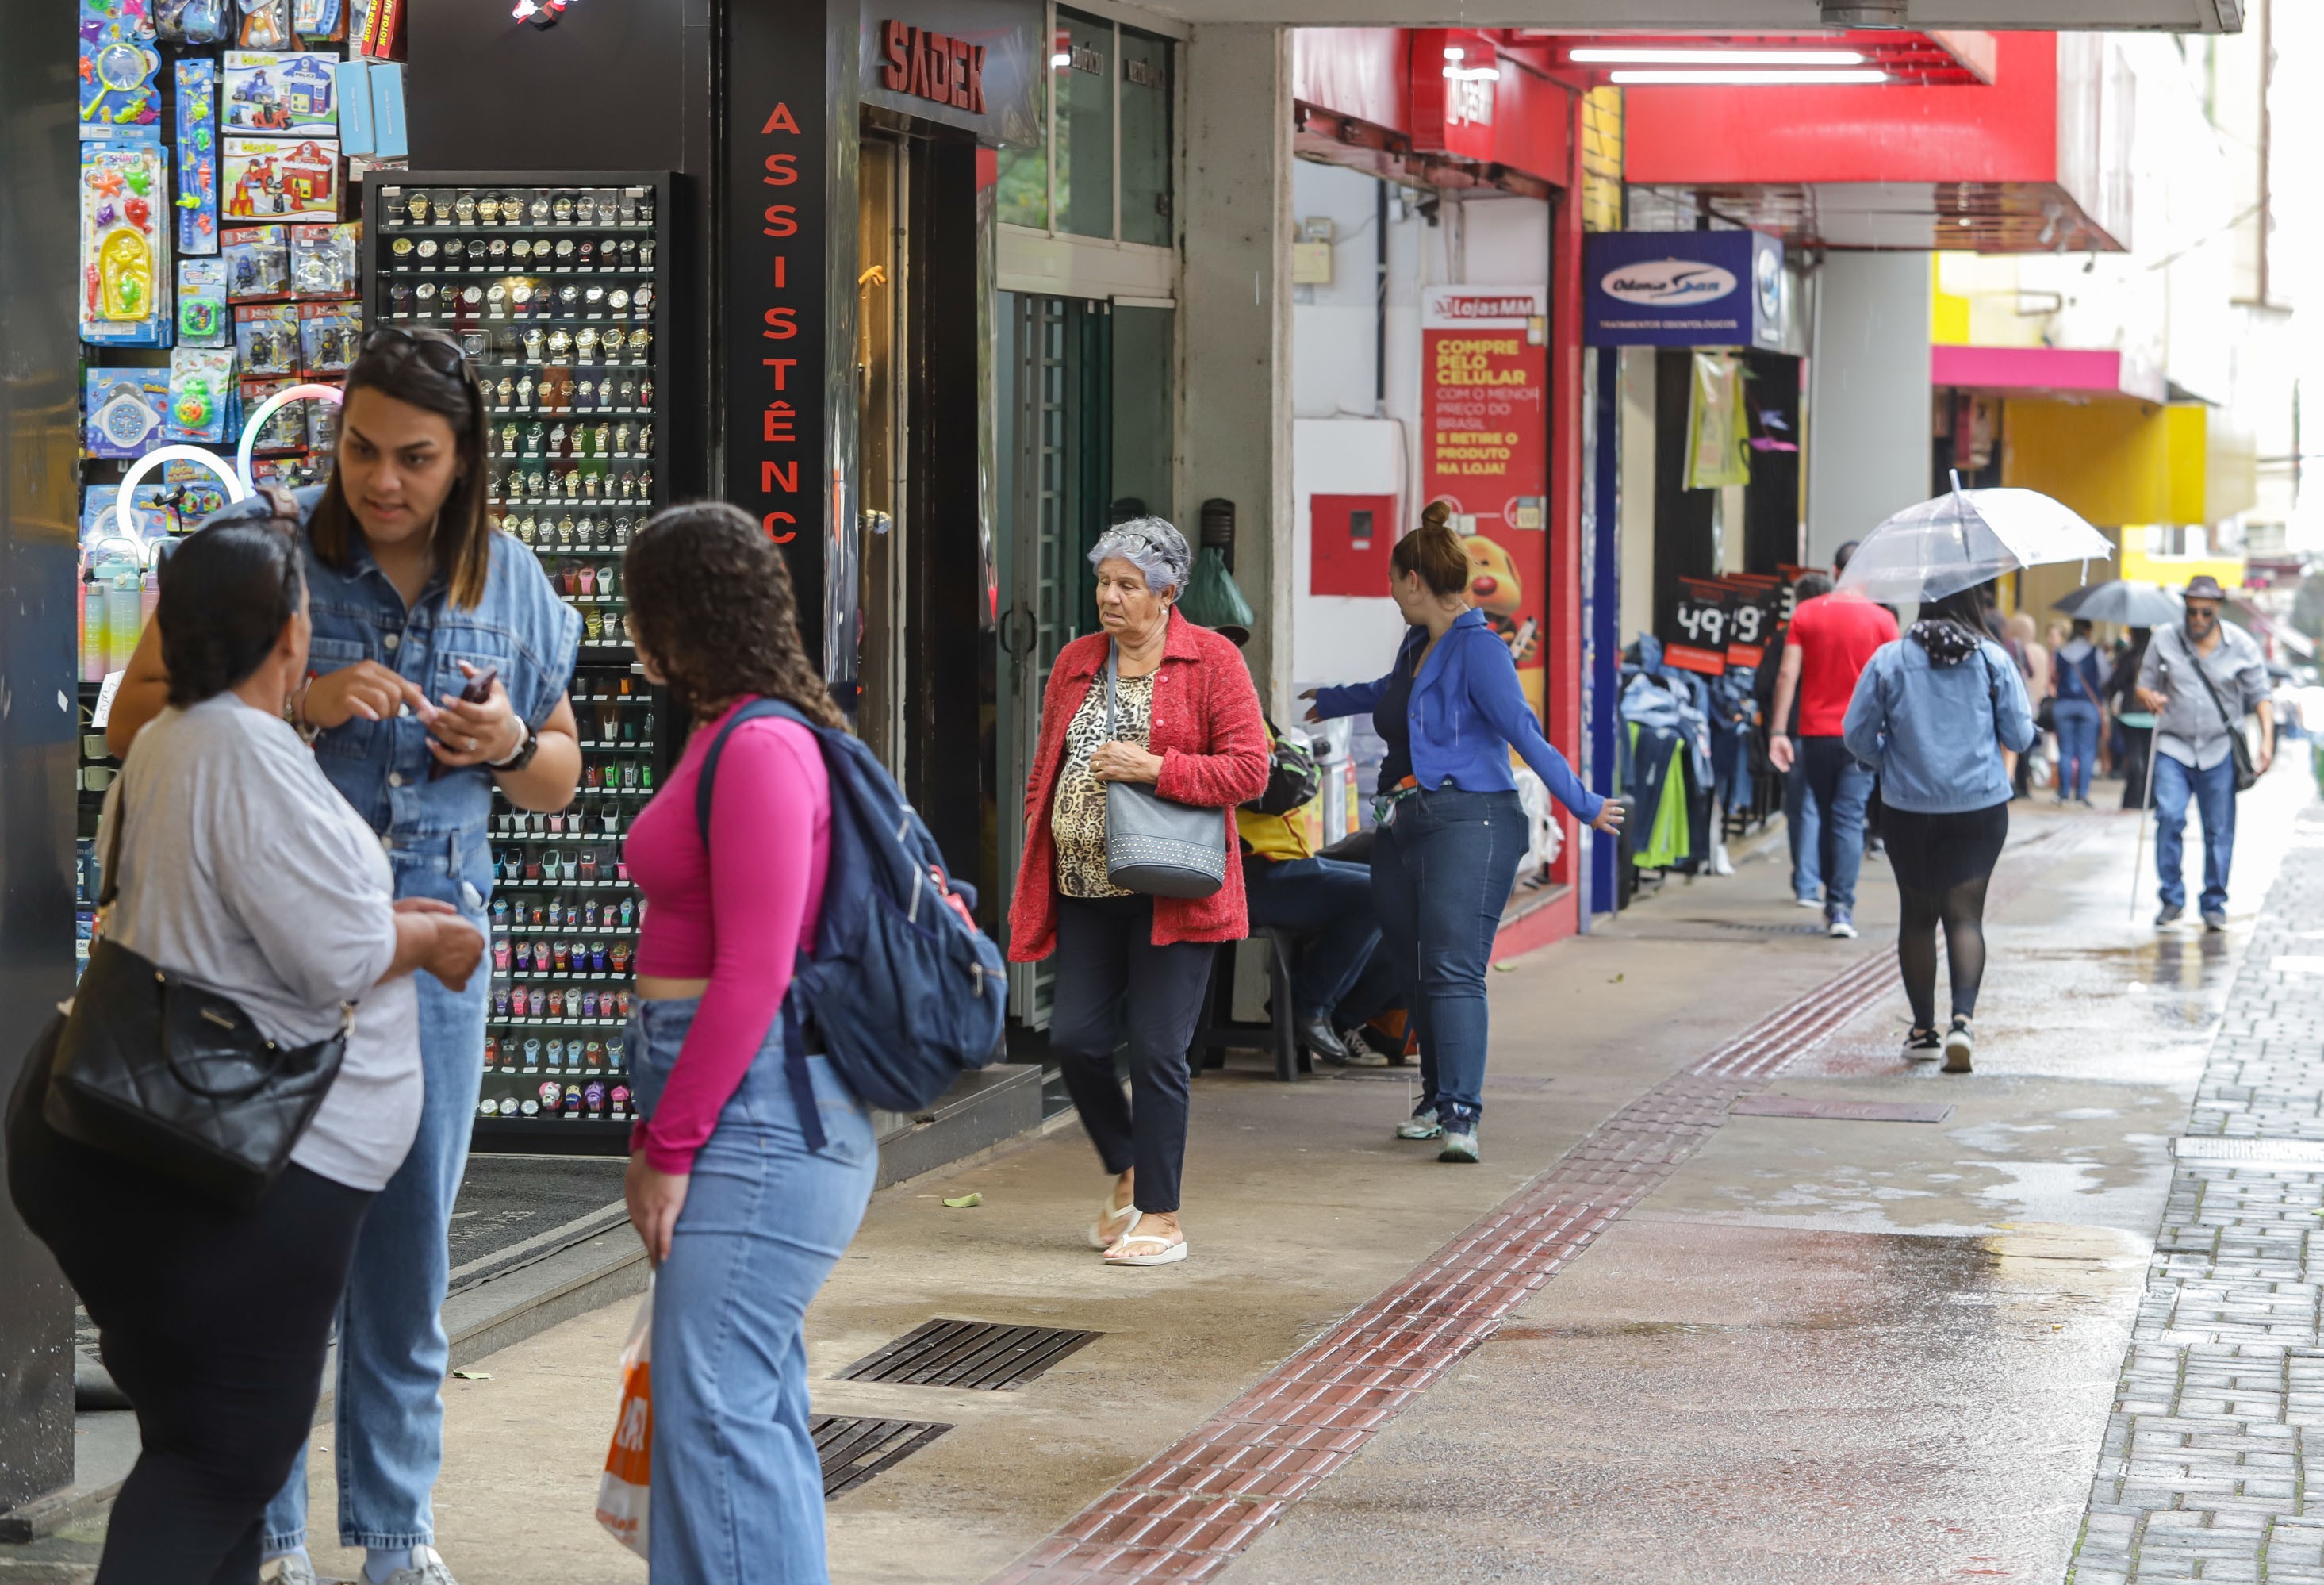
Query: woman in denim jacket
415,595
1450,709
1931,713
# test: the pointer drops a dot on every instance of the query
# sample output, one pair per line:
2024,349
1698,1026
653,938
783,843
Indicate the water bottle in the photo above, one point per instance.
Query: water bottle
94,650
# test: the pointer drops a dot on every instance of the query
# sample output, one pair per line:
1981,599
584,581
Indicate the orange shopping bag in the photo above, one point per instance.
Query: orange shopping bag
622,1494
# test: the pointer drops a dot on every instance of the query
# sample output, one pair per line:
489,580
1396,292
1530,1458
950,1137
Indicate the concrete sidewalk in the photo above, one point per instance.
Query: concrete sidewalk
1818,1348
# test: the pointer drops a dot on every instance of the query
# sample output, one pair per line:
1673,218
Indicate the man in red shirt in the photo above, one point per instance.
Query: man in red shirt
1831,639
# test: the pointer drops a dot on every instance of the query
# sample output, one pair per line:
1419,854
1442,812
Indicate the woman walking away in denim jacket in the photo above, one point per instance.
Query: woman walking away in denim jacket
416,597
1452,829
1931,713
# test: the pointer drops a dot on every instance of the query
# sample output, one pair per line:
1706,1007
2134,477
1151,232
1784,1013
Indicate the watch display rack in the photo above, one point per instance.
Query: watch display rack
553,283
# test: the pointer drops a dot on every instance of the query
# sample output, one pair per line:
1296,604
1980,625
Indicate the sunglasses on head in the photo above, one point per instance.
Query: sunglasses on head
439,354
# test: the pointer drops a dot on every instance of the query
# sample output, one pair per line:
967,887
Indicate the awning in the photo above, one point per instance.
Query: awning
2046,370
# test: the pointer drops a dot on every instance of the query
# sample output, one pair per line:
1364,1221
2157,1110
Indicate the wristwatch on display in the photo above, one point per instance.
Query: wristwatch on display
523,755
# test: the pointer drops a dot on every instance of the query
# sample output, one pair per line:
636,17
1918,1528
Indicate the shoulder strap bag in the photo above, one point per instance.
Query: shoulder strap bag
177,1079
1152,845
2238,746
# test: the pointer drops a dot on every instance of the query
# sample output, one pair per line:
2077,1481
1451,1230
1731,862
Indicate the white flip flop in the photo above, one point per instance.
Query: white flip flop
1165,1254
1107,1216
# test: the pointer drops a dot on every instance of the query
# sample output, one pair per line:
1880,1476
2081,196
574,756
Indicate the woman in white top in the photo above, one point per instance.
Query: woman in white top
243,870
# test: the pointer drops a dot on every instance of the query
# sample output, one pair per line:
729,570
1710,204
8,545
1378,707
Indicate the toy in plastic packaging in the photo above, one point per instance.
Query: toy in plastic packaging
267,336
329,336
281,178
290,472
201,389
322,427
281,95
323,260
319,21
198,154
202,318
117,65
191,22
125,410
257,264
155,512
285,429
265,24
125,250
194,489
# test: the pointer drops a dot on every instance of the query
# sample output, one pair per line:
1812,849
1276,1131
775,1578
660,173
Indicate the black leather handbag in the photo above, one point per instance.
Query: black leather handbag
177,1079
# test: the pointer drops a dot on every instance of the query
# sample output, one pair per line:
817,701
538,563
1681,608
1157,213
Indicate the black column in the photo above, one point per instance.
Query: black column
39,509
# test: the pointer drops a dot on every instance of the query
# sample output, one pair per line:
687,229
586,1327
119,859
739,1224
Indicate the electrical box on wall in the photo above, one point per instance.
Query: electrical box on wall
1351,537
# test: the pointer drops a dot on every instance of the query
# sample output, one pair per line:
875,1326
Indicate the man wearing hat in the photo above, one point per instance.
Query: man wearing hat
2200,680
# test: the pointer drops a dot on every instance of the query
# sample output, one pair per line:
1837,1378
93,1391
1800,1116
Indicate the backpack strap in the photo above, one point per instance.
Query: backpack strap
795,1068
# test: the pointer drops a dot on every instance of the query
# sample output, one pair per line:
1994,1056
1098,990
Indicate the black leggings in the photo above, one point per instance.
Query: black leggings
1943,864
214,1322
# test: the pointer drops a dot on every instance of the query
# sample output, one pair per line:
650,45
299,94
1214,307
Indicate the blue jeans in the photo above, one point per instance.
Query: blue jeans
1807,872
737,1489
1441,875
389,1397
2214,794
2077,745
1835,786
1329,897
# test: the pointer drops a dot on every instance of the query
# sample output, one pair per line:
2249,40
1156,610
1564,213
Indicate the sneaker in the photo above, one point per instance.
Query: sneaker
1959,1047
1420,1125
292,1567
1806,901
2215,919
1460,1146
1841,927
1924,1046
425,1568
1362,1053
1721,864
2171,914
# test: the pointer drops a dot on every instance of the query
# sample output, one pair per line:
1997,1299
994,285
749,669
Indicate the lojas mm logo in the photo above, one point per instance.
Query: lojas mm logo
1662,282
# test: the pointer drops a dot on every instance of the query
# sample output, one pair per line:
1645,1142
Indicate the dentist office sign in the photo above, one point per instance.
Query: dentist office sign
1683,289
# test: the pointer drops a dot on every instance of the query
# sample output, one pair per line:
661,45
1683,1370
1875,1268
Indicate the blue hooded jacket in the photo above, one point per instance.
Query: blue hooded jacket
1468,710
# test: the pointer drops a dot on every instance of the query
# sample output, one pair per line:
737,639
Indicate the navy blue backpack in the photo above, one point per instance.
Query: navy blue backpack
903,991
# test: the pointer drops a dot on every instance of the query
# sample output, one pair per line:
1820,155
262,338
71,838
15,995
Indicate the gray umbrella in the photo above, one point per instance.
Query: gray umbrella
2124,603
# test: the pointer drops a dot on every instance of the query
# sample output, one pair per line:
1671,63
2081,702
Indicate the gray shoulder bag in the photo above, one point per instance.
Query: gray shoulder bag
1153,845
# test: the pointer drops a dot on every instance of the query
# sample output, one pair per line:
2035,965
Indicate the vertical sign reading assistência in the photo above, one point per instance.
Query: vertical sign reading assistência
784,454
1484,450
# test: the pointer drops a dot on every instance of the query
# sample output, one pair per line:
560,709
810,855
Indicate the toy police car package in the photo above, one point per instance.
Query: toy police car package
279,95
267,335
125,409
323,260
257,264
329,336
203,319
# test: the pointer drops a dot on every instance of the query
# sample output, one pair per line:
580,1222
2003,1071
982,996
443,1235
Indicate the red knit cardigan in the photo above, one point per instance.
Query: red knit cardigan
1206,726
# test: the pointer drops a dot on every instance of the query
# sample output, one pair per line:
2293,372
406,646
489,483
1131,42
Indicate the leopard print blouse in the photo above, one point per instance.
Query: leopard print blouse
1077,816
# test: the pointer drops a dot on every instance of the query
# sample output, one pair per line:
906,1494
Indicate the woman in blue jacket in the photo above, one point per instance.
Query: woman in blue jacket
1451,827
1931,713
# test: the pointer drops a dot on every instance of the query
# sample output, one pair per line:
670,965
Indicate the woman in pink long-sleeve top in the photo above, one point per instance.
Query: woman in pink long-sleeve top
742,1220
1187,722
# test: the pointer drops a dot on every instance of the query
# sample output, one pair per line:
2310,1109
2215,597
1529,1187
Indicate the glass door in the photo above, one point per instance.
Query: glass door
880,396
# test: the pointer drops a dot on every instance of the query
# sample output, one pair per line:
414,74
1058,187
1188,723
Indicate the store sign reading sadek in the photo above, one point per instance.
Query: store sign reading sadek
1683,289
977,65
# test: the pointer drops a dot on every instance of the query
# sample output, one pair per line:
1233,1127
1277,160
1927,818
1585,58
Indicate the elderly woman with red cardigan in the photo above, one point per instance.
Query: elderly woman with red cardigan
1186,722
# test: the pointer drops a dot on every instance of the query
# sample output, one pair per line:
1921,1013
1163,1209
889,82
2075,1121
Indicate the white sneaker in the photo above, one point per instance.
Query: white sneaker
425,1568
1809,902
1362,1053
1720,862
292,1567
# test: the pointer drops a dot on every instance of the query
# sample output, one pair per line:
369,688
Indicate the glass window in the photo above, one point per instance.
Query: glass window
1021,194
1143,418
1145,138
1082,67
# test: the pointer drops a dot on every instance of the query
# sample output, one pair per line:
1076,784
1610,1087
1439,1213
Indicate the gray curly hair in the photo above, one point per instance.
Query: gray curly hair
1151,545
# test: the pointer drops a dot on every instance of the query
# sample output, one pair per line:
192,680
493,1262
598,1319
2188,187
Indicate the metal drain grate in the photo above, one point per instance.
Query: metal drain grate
853,1450
969,1353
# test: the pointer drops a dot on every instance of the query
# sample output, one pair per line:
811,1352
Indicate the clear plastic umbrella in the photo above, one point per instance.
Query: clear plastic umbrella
2124,603
1966,538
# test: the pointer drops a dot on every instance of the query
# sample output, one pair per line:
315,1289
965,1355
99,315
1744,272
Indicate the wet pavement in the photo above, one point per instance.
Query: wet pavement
1651,1338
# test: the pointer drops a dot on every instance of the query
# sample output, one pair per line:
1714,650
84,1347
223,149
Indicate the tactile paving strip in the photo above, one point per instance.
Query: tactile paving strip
1187,1513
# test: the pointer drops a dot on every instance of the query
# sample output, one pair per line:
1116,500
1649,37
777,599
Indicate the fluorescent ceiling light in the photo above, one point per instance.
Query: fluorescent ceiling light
1062,59
1473,74
1748,76
1455,52
1599,56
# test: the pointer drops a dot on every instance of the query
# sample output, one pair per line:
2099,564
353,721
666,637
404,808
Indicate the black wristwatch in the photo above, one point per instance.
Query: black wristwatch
523,755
